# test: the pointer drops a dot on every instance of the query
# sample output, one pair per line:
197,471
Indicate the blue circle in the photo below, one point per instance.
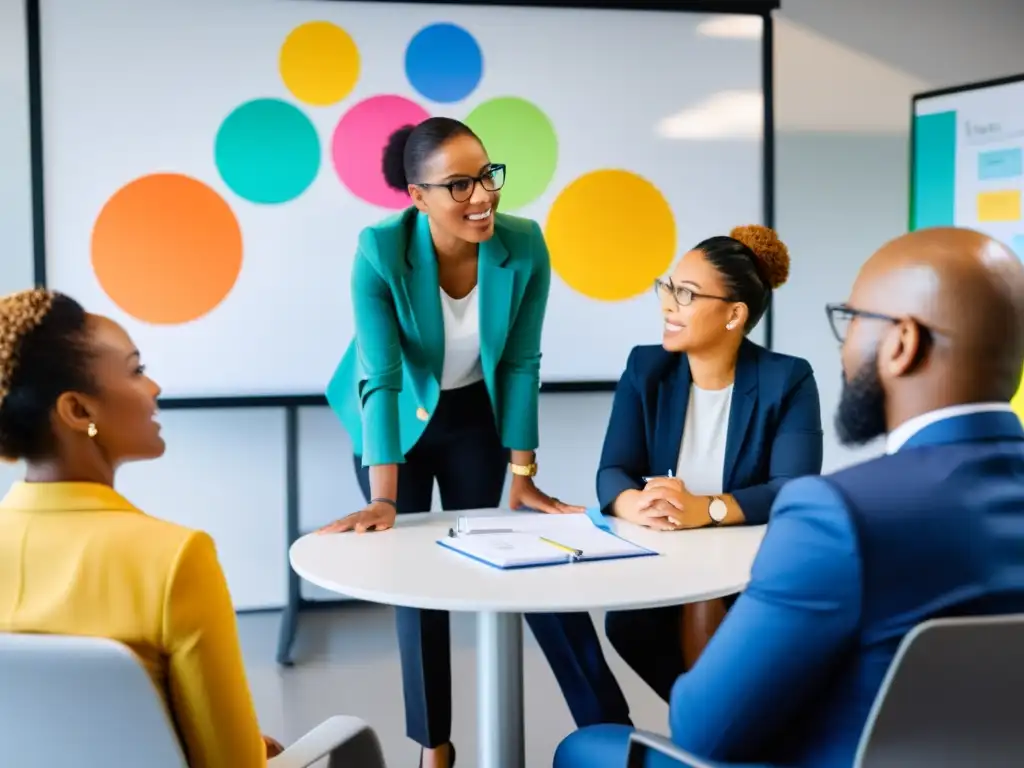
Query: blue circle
267,151
444,63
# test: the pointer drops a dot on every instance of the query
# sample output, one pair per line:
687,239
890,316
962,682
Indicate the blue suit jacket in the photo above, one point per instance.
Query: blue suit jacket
850,564
774,425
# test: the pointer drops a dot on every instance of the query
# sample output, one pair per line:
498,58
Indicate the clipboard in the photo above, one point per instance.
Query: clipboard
535,540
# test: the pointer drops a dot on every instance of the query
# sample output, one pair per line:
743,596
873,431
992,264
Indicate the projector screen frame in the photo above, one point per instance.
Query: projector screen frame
932,94
762,8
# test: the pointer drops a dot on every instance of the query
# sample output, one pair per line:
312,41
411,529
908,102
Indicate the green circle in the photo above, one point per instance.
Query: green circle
267,151
518,134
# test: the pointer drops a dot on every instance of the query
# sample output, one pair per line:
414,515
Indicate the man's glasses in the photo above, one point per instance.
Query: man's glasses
682,295
461,188
841,316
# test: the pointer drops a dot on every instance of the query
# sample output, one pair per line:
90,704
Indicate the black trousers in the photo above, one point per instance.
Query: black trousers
461,450
650,641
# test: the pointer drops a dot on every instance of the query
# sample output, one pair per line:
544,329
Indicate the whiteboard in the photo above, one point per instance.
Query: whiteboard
208,165
967,167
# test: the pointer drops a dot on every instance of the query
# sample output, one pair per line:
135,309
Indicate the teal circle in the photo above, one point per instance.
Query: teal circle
267,151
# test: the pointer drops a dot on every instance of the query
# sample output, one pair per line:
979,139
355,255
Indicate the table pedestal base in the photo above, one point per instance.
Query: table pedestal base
500,732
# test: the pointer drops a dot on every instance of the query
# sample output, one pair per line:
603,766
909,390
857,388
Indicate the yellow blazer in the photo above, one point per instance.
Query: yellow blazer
79,559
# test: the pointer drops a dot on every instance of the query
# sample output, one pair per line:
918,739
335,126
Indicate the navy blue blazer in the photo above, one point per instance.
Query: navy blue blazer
774,425
849,565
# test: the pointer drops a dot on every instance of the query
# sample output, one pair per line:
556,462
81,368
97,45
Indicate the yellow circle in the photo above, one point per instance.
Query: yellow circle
610,233
319,63
1018,400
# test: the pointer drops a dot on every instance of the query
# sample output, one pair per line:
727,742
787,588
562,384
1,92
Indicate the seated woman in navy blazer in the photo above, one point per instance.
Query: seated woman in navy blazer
707,427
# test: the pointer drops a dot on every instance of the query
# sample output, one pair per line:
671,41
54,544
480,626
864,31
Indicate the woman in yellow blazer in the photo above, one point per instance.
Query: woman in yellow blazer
441,384
77,558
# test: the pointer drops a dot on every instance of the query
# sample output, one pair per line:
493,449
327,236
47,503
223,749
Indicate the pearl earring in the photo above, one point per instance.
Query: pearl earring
92,431
730,326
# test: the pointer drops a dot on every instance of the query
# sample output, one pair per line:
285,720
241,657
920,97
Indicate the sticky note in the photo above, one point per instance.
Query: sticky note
999,206
1017,244
999,164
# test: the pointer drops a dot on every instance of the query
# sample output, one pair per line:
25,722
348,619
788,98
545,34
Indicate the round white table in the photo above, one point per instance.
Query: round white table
406,567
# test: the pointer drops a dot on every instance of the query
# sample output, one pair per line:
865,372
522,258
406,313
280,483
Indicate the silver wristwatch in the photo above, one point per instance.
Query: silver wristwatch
717,510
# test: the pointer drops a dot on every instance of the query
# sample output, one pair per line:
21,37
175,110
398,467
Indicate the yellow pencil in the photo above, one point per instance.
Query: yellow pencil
570,550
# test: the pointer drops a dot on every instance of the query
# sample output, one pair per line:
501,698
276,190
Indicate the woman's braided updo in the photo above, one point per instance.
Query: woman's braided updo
43,353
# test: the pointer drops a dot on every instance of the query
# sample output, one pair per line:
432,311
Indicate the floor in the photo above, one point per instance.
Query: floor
347,663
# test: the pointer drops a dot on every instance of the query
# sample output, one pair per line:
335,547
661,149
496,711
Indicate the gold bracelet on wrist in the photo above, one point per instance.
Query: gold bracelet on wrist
524,470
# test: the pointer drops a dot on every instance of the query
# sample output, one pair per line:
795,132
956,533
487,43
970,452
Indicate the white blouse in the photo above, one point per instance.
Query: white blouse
702,451
461,340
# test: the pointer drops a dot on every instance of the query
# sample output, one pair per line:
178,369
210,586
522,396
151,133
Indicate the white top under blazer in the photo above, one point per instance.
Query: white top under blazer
462,365
702,450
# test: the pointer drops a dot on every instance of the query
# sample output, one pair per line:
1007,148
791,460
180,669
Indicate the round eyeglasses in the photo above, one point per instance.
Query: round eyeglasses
461,188
682,295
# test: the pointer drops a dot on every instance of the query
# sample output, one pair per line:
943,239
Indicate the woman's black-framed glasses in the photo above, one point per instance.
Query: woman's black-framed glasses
840,316
683,296
461,188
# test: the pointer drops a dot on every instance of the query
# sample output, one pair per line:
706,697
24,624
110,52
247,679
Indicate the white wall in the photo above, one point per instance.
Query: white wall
844,76
15,171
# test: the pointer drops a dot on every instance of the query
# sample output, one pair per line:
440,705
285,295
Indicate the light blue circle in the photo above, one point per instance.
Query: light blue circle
267,151
444,63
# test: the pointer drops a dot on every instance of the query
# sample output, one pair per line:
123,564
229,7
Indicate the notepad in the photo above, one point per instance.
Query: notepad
524,540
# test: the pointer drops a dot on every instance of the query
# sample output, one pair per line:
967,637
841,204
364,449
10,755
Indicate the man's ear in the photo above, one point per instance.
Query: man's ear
901,349
75,411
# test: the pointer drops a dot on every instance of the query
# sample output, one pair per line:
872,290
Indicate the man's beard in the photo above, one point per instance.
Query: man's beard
860,417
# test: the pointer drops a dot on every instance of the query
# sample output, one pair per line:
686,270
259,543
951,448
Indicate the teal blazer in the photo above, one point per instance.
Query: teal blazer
388,382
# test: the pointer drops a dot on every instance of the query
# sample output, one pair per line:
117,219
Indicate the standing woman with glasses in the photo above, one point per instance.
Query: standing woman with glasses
707,426
441,384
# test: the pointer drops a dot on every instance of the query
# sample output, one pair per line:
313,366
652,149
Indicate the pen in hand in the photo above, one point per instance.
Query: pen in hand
648,479
671,519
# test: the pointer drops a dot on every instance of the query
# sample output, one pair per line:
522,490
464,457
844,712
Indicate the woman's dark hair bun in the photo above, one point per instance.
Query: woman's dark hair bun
394,158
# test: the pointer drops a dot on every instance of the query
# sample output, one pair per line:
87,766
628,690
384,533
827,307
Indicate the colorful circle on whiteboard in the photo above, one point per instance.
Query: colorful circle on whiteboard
444,63
267,151
319,63
518,134
358,146
610,233
166,249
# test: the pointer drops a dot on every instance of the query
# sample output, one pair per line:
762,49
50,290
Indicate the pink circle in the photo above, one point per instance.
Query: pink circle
358,146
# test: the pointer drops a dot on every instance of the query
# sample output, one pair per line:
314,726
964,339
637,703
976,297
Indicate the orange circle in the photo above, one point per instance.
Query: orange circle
167,249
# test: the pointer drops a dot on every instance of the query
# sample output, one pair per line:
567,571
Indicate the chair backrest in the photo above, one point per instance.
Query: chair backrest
80,701
953,696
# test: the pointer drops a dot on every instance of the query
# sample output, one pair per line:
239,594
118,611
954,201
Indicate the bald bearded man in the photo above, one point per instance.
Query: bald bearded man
932,349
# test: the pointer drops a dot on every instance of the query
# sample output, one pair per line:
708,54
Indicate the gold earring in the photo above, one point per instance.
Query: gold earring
92,431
